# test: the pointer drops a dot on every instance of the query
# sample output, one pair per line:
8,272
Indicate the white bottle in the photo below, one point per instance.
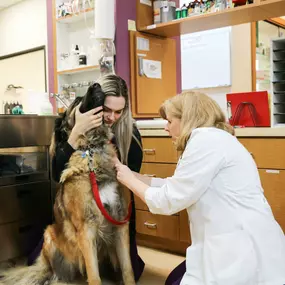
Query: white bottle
74,56
45,105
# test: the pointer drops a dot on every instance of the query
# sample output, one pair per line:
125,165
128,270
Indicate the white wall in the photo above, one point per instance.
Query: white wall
240,66
23,26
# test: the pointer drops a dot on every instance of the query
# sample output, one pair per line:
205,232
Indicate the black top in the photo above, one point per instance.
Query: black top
64,152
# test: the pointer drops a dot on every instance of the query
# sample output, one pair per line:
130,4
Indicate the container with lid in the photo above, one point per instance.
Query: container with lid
167,11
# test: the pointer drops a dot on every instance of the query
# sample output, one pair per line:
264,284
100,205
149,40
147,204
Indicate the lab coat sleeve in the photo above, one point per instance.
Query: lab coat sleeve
201,161
157,182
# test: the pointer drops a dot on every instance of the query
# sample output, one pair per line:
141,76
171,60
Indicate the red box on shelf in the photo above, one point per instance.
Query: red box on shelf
249,109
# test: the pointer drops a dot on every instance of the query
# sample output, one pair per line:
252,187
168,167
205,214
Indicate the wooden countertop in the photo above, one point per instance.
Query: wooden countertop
240,132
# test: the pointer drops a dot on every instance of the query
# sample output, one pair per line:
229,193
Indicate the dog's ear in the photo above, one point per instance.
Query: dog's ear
93,98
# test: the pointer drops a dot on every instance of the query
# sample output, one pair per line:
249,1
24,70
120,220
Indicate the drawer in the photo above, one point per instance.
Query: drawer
31,200
157,225
158,170
273,183
154,170
159,150
19,239
267,153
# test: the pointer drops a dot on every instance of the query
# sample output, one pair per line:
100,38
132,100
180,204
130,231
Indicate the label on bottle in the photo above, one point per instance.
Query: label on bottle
72,95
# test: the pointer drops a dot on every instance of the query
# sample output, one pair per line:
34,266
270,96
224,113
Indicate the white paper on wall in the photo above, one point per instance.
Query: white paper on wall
152,68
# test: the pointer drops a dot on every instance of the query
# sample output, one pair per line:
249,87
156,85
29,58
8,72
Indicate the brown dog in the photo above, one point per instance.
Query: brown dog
82,241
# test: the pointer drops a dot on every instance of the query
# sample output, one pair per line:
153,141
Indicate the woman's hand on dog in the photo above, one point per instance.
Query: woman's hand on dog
129,179
84,122
124,174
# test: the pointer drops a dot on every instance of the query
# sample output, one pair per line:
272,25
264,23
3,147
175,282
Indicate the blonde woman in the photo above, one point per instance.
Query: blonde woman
235,238
116,113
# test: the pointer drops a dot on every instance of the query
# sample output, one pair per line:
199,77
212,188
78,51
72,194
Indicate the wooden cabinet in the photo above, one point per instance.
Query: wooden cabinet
159,150
157,225
269,156
273,183
153,73
169,233
172,233
259,10
267,152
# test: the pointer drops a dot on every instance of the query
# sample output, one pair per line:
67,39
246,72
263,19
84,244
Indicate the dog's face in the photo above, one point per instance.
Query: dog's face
94,98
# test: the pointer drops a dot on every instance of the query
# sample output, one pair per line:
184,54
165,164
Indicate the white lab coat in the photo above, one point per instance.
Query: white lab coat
235,238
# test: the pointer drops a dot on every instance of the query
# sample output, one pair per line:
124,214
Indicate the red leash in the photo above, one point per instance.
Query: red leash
97,198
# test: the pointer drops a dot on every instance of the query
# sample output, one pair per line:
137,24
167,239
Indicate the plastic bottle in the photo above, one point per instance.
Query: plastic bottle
45,105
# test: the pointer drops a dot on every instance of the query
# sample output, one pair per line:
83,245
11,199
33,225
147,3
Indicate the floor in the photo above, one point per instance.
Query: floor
158,266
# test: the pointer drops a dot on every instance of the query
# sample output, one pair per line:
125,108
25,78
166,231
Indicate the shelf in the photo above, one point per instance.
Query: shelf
235,16
279,92
279,60
74,18
279,81
78,70
281,71
279,103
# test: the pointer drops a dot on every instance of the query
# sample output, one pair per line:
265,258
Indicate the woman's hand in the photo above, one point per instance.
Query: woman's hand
84,123
128,178
124,174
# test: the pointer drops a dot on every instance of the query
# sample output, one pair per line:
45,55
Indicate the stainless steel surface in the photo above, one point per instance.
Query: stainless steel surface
25,130
26,189
25,201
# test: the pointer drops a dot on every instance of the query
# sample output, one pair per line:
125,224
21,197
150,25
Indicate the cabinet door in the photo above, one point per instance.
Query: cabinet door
153,73
144,13
273,182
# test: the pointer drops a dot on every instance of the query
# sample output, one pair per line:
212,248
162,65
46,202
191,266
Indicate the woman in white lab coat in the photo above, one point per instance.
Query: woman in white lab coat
235,238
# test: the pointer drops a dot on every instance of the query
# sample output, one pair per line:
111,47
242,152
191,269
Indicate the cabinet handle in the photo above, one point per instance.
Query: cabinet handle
150,175
150,225
149,151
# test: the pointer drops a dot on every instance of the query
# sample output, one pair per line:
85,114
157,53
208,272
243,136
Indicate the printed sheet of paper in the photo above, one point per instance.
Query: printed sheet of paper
152,68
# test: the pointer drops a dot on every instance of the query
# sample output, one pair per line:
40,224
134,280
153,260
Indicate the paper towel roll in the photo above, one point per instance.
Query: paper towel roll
105,19
151,124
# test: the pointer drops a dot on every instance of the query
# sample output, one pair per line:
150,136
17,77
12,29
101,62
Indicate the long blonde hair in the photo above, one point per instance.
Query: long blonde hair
114,85
195,110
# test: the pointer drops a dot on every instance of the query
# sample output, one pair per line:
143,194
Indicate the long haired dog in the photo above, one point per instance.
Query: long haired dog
82,241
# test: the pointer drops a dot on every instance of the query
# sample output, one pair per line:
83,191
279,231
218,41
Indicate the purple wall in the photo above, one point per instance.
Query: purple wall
125,9
51,52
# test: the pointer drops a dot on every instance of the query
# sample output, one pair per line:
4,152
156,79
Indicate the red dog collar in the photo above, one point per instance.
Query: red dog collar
98,201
